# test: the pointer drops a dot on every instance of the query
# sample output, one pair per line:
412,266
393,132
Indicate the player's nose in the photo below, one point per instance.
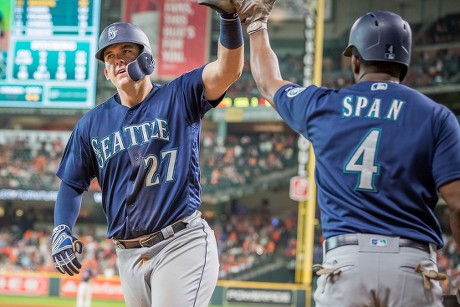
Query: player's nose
119,60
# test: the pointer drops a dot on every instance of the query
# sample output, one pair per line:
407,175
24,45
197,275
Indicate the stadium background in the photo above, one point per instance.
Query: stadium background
248,157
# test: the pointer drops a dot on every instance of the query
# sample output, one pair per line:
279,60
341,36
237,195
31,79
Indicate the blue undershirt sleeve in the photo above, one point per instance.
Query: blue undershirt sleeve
67,206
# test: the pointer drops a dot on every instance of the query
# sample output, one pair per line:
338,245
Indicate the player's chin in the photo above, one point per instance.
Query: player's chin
122,79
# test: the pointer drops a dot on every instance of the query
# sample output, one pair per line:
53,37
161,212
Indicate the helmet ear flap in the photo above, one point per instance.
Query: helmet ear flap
143,65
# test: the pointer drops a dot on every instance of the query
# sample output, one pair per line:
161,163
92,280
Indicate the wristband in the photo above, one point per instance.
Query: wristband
228,16
231,31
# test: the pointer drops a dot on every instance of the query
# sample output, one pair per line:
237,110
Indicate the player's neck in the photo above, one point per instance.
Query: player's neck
135,93
378,77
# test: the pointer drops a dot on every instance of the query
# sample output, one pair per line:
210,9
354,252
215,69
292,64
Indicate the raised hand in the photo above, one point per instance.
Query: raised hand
254,13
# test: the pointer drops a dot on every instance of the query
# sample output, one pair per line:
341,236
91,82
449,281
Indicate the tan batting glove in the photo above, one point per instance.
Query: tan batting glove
254,13
221,6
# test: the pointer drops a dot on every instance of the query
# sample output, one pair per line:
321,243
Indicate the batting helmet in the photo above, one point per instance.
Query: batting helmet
381,36
124,32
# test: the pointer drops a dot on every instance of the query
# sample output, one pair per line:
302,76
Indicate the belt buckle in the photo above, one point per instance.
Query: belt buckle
119,244
145,242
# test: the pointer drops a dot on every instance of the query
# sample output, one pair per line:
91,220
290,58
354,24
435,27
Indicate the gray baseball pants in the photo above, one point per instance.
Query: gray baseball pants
180,271
377,276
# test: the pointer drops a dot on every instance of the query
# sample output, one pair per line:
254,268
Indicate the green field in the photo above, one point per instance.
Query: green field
7,301
29,301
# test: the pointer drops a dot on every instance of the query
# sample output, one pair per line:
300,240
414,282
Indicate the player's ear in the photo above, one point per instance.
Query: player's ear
106,73
355,64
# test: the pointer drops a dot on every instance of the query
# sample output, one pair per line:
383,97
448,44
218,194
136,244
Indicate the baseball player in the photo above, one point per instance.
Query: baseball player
383,150
84,290
142,145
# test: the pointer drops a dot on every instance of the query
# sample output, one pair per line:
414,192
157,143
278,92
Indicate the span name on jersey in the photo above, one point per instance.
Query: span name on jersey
364,107
127,137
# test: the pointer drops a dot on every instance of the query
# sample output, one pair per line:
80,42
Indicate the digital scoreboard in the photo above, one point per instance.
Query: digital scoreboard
47,53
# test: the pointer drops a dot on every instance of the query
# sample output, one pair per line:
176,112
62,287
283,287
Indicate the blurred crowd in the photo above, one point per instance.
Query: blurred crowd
435,61
244,158
30,159
246,238
449,263
444,30
30,250
430,67
251,238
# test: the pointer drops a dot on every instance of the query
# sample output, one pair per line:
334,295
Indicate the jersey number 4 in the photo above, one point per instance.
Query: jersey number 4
363,161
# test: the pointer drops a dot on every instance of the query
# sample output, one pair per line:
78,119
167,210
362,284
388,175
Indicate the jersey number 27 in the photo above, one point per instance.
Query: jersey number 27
151,162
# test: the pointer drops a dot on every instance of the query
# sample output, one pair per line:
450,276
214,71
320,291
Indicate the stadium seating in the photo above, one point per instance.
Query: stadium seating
249,241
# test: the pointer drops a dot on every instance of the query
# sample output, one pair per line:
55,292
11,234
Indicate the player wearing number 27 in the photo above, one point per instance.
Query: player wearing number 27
142,146
383,151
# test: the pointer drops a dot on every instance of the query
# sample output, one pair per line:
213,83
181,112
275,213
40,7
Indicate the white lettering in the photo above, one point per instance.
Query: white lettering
361,104
347,106
105,143
356,107
395,108
134,135
374,110
117,142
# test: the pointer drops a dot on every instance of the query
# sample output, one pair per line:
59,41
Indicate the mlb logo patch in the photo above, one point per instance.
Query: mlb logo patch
379,242
379,87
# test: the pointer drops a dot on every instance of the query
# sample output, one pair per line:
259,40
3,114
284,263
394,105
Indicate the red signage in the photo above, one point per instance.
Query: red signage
101,288
178,31
298,189
24,285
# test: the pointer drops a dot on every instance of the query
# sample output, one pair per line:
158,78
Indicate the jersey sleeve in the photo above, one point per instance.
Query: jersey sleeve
76,168
296,104
191,89
446,161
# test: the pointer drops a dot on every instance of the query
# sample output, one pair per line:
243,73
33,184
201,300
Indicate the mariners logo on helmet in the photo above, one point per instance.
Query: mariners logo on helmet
112,32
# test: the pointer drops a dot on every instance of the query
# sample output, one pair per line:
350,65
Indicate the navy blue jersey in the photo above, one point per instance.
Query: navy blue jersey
145,158
382,152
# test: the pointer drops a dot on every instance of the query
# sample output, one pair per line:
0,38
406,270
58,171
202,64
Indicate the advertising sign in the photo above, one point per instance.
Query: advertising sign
178,31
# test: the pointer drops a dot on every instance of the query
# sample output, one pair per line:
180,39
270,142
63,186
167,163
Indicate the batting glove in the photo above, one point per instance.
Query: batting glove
64,247
254,13
224,7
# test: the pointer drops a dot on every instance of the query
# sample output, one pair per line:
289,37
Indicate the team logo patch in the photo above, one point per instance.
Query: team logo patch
295,91
112,32
379,242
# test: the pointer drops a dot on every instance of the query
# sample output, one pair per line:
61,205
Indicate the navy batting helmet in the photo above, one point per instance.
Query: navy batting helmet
124,32
381,36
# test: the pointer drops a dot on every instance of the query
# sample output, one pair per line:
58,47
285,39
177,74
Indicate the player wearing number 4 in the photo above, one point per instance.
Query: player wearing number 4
142,146
383,152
